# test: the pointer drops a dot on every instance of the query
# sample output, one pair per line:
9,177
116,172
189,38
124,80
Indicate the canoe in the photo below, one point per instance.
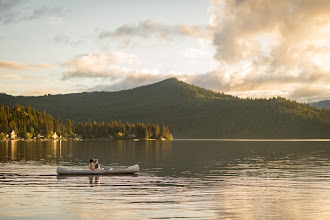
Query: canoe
128,170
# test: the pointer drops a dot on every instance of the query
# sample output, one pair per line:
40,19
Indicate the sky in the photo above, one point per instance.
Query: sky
247,48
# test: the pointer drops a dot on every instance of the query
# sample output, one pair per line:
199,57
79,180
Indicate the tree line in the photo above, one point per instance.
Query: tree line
29,123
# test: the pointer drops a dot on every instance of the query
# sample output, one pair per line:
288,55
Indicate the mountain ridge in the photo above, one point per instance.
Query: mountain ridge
189,111
321,104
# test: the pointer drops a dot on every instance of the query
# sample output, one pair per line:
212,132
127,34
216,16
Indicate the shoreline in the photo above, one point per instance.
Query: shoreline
190,139
73,139
255,139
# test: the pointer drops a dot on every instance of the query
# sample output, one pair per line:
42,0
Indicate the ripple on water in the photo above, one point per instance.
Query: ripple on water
184,179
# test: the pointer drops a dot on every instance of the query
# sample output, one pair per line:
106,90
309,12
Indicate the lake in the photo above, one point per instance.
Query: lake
193,179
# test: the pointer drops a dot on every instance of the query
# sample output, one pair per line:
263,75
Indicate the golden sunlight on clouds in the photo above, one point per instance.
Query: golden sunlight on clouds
38,92
111,65
264,45
262,48
115,70
24,66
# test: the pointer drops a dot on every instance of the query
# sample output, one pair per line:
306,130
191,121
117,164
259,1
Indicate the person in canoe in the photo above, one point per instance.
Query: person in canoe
97,165
91,165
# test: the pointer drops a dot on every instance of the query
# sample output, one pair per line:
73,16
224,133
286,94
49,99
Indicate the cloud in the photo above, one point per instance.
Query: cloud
308,92
45,11
38,92
7,8
269,47
23,66
16,76
262,49
7,5
152,29
129,81
6,76
290,23
63,39
14,11
111,71
104,65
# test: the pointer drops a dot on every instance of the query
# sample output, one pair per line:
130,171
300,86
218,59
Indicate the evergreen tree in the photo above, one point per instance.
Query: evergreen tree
162,131
45,130
2,136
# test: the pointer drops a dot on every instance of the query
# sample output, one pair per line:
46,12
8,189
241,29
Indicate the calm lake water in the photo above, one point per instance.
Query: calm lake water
204,179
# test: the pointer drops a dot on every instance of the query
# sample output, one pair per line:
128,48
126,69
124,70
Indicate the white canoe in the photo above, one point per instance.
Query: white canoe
128,170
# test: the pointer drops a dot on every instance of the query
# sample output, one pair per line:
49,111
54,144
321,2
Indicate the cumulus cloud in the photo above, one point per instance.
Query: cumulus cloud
280,25
269,47
262,49
308,92
152,29
105,65
111,71
23,66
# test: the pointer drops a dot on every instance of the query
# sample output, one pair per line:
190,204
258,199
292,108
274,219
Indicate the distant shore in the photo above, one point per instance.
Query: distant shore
183,139
254,139
87,139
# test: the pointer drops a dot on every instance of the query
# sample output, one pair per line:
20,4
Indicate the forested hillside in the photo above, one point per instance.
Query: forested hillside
29,123
188,111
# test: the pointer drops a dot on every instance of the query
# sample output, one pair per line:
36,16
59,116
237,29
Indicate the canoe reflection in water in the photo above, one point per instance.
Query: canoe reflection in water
93,180
96,181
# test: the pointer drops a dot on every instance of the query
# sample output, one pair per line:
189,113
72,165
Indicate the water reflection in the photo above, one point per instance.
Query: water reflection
188,158
94,181
178,179
78,153
13,149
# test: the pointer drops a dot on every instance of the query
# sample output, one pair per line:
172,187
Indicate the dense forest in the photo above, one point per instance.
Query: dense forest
29,123
188,111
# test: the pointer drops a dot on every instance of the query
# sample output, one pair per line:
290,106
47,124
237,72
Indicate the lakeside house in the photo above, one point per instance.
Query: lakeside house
55,136
13,135
131,136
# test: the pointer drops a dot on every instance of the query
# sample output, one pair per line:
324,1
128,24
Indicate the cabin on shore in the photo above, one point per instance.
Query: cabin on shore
131,136
13,135
55,136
